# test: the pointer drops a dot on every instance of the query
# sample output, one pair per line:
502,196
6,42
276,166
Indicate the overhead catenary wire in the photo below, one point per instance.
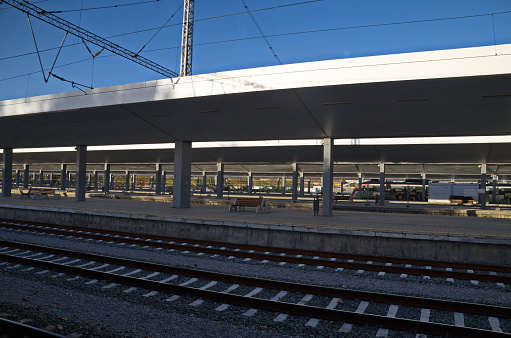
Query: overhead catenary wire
253,37
273,35
261,32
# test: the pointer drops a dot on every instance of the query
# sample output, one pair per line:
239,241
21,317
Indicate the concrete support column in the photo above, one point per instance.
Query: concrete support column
382,184
7,172
81,173
106,179
283,185
204,182
41,178
250,184
309,186
423,187
219,180
127,181
294,185
51,179
483,186
495,182
360,180
95,173
133,182
328,176
26,175
158,178
163,181
18,177
63,176
182,174
302,184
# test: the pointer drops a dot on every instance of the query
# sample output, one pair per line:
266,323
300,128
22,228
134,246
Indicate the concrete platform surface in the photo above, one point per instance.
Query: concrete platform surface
288,227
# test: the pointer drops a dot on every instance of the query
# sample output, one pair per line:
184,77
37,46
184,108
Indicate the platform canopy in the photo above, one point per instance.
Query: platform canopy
436,93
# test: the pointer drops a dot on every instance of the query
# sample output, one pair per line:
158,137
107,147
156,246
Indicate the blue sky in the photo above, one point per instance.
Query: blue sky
297,30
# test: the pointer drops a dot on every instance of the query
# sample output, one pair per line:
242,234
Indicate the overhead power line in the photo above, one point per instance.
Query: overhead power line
58,22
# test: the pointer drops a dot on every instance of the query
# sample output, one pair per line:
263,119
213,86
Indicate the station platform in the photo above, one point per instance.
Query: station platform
401,229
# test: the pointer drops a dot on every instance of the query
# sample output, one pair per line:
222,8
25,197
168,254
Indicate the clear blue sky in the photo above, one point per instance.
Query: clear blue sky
297,30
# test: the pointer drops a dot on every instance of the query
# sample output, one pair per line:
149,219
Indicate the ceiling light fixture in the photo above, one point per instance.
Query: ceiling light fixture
414,99
336,103
268,107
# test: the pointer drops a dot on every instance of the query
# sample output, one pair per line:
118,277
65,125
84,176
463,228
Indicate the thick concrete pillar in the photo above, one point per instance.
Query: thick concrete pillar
204,182
163,181
133,182
494,194
63,176
96,176
328,176
423,187
81,173
219,180
51,179
283,185
302,184
127,181
18,177
106,179
158,178
41,178
250,184
294,184
483,186
26,175
382,184
182,174
360,180
7,173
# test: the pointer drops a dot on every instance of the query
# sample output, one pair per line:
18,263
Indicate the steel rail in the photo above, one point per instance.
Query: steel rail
277,258
359,257
9,328
482,309
295,309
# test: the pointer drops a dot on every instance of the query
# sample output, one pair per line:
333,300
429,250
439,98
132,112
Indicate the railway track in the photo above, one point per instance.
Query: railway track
283,297
382,265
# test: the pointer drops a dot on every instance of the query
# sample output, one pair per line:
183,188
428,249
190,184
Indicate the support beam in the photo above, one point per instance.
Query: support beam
26,175
204,182
382,184
158,178
360,180
7,172
302,184
294,184
219,180
483,186
81,173
106,179
495,182
63,176
41,178
328,176
182,174
423,187
96,176
250,184
127,181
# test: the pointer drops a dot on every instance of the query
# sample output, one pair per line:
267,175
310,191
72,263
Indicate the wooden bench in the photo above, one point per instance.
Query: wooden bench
38,193
461,200
342,197
241,202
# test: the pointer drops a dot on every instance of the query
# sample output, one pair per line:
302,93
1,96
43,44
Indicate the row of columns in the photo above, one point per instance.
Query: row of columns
182,177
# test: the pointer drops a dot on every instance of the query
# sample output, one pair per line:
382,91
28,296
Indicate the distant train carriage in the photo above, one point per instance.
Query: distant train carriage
410,189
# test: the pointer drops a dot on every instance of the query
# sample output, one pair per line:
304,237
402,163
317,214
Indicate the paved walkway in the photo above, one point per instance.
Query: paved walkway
359,221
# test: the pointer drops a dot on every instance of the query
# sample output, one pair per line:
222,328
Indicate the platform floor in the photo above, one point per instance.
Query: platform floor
411,220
